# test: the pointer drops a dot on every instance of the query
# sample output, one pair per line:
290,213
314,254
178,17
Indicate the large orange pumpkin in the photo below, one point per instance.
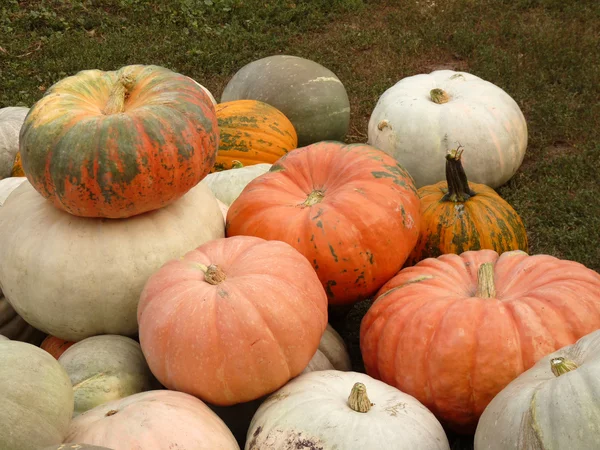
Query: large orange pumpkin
453,331
252,132
117,144
233,320
457,216
352,210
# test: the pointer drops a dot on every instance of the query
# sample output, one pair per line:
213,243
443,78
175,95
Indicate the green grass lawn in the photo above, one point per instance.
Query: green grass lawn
544,53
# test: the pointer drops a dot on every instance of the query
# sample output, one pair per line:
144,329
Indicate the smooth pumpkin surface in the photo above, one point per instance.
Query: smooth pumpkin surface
227,185
7,185
13,327
252,132
327,410
262,314
37,399
105,368
55,346
161,420
75,277
117,144
422,117
351,210
11,120
75,447
553,405
453,331
311,96
457,216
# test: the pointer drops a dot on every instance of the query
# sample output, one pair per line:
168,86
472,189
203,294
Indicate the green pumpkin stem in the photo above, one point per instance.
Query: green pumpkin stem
560,366
458,185
313,198
119,93
486,288
358,399
235,164
439,96
212,274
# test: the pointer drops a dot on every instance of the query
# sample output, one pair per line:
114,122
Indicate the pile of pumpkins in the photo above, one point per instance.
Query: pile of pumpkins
168,265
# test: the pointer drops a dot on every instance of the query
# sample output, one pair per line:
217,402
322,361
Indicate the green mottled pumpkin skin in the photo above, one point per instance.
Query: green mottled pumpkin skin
311,96
94,163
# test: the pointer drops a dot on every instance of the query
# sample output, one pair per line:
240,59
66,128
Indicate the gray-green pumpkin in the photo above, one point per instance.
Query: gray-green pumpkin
11,120
310,95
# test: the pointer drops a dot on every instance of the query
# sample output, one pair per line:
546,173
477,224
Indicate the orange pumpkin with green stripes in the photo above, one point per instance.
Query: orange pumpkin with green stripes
457,216
116,144
351,210
252,132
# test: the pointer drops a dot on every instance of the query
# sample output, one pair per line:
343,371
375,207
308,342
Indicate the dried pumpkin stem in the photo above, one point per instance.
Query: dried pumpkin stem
439,96
235,164
358,399
212,274
486,287
313,198
119,93
458,185
560,366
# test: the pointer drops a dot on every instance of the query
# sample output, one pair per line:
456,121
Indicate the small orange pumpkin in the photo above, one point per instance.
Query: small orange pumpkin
55,346
17,169
252,132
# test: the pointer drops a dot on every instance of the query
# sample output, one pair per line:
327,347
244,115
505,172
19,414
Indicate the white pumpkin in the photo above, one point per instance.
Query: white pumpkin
7,185
3,338
346,411
554,405
11,120
423,116
75,277
331,354
37,399
105,368
227,185
12,326
212,98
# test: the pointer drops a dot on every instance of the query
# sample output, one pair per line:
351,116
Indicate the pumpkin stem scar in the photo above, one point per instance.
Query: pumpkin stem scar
212,274
358,399
560,366
485,281
112,412
313,198
456,178
439,96
119,93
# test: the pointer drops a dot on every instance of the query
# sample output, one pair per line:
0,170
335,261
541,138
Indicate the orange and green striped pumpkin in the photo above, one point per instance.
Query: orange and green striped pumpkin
116,144
252,132
457,216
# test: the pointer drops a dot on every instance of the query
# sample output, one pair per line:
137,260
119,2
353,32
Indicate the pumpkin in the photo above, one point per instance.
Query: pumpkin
553,405
453,331
7,185
4,338
117,144
457,216
311,96
13,327
331,409
75,277
351,210
206,91
105,368
37,398
252,132
224,209
423,116
75,447
55,346
227,185
262,314
11,120
17,169
162,419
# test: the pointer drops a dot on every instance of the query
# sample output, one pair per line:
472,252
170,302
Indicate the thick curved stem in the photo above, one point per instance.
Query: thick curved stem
119,93
439,96
486,288
560,366
358,399
458,185
212,274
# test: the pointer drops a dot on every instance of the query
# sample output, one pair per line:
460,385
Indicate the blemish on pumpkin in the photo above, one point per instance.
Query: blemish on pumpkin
333,253
112,412
328,289
393,410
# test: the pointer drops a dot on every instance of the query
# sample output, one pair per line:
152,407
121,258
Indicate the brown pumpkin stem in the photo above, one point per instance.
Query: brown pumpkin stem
235,164
313,198
486,287
118,95
212,274
439,96
358,399
560,366
458,185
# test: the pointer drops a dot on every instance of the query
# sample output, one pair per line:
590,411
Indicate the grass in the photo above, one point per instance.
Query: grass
544,53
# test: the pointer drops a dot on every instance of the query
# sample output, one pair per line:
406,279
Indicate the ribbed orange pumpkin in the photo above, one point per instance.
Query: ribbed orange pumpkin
457,216
252,132
17,169
55,346
351,210
453,331
117,144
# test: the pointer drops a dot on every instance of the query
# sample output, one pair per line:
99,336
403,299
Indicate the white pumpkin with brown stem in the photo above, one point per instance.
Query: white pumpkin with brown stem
75,277
346,411
555,405
423,116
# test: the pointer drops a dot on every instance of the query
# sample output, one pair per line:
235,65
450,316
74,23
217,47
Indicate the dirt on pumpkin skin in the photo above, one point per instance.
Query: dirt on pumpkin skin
283,440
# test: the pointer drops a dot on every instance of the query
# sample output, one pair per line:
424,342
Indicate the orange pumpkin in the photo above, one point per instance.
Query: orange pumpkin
55,346
252,132
17,169
351,210
453,331
233,320
457,216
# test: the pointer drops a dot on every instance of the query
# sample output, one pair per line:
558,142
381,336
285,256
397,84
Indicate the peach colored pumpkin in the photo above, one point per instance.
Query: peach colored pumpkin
233,320
153,420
